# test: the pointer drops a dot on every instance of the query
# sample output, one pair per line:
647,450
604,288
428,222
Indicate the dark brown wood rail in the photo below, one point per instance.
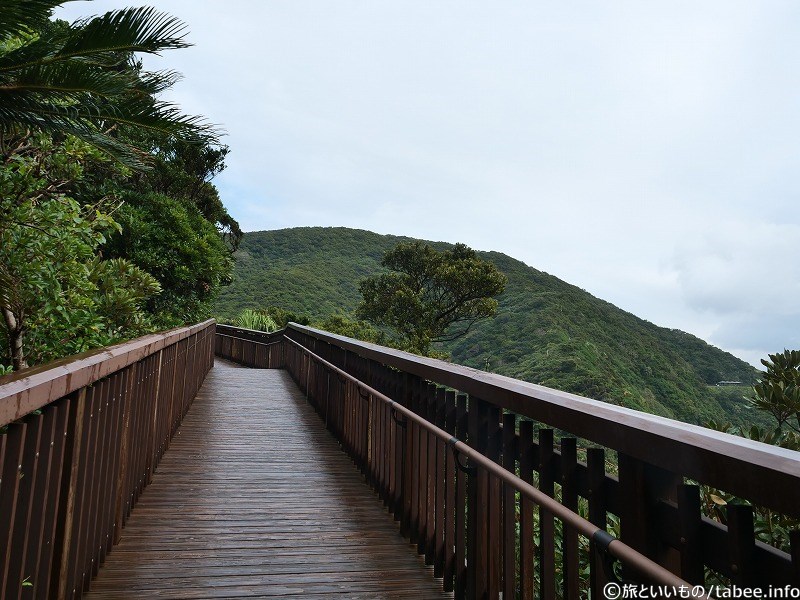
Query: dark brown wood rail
80,441
459,517
504,488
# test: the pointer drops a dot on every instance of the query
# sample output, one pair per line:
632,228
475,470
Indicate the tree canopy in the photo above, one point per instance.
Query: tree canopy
431,296
57,294
111,225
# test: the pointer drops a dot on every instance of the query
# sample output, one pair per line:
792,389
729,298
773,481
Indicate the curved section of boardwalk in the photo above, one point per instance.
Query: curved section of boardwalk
255,498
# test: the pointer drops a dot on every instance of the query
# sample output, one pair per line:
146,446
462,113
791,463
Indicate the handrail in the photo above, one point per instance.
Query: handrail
31,389
81,439
614,546
249,347
653,492
747,468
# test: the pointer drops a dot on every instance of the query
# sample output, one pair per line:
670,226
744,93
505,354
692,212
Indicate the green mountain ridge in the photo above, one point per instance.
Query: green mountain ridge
546,331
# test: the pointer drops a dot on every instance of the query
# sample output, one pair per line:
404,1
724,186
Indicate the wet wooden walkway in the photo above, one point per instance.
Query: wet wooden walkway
254,498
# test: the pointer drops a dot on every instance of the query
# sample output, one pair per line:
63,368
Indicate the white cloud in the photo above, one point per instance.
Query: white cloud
645,152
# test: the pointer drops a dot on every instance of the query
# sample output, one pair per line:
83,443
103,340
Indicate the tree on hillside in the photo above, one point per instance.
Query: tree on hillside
341,324
430,296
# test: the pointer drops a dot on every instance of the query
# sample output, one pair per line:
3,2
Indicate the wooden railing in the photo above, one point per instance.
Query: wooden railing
80,440
484,532
250,348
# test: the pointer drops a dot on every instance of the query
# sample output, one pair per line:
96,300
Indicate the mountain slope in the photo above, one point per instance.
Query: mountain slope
546,330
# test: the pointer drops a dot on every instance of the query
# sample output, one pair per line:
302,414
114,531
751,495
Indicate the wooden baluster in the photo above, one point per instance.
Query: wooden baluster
526,558
430,531
460,575
509,508
494,506
52,516
99,483
569,498
89,455
596,472
450,513
441,474
113,446
642,486
408,466
477,504
741,545
38,505
547,548
23,478
400,448
422,540
690,520
416,466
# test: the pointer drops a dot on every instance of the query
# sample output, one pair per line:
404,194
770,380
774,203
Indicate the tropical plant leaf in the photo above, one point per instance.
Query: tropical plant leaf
127,30
18,17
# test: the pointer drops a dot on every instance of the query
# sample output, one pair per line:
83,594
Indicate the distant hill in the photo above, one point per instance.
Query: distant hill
546,331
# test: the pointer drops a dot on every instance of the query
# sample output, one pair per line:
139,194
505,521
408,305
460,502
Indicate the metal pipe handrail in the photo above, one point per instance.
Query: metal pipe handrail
613,546
746,468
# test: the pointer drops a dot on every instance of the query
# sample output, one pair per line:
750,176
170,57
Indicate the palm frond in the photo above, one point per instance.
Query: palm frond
87,117
80,79
18,17
127,30
70,79
103,39
156,82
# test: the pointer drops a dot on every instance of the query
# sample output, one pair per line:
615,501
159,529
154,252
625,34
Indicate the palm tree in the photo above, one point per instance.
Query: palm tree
82,78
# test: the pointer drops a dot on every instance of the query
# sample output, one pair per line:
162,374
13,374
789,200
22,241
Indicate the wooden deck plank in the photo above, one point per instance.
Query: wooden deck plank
254,498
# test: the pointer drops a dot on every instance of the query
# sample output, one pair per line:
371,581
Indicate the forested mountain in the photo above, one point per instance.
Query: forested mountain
546,331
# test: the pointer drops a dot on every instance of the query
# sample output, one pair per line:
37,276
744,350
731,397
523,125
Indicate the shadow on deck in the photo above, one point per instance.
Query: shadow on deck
255,498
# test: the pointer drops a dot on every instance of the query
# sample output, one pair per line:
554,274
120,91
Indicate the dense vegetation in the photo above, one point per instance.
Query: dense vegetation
546,331
111,226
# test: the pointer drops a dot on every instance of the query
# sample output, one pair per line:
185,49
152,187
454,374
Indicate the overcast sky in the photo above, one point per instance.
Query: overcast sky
644,151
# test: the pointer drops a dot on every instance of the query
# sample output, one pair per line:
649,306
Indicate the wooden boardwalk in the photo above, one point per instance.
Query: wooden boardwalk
255,498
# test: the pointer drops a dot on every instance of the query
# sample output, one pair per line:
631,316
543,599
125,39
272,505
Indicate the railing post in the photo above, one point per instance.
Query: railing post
69,484
547,550
690,518
596,471
460,576
451,512
526,549
494,515
153,455
642,486
509,508
407,466
120,491
11,480
477,491
569,498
